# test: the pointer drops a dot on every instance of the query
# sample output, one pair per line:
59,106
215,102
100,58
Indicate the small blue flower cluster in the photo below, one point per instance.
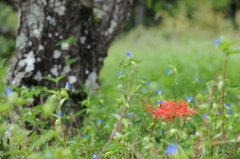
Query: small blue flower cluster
171,149
204,115
94,156
60,114
128,54
9,91
217,42
189,98
68,86
228,105
167,71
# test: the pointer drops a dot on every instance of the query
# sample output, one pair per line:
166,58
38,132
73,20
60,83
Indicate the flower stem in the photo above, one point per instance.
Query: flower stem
122,115
153,127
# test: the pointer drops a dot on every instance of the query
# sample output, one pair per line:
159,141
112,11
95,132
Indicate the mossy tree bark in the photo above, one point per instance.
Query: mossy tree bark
43,23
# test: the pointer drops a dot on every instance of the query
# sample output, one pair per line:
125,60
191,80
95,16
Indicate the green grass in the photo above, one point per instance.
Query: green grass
193,54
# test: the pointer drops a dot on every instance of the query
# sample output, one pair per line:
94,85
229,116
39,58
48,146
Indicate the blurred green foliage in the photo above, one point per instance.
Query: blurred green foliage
8,19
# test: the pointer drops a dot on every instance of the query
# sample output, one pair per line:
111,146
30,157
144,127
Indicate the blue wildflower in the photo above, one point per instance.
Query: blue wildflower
160,91
189,98
159,102
167,71
40,155
119,73
199,80
9,91
128,54
67,85
2,137
130,114
143,90
204,115
160,131
50,154
94,156
60,114
171,149
228,105
147,82
71,139
99,121
217,42
83,136
230,111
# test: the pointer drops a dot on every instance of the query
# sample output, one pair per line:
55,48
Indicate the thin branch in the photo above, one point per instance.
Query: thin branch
7,32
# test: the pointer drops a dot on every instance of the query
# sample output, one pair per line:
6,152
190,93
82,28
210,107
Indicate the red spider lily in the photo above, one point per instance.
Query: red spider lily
169,109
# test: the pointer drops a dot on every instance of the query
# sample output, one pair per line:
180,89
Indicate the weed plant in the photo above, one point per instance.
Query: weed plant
143,123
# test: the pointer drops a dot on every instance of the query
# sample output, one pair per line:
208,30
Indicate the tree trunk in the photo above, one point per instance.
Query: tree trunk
43,23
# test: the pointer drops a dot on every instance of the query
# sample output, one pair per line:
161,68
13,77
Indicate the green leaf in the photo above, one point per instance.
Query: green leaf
125,122
79,113
53,92
233,52
62,101
116,116
2,62
124,102
233,90
69,62
60,77
15,152
51,79
69,40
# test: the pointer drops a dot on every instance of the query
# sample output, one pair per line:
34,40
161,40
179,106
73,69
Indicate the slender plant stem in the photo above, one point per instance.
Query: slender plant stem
60,118
151,132
122,115
222,98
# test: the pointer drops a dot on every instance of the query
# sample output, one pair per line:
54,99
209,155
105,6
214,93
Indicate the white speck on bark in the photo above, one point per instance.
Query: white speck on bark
38,76
86,72
60,36
100,59
51,20
66,69
105,7
65,46
54,70
86,31
49,35
21,41
28,62
113,24
99,13
40,47
59,9
56,34
18,78
37,33
38,59
56,54
72,79
82,39
89,46
35,20
91,82
30,43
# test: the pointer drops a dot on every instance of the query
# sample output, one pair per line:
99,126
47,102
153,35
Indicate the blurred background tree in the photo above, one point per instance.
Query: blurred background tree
147,13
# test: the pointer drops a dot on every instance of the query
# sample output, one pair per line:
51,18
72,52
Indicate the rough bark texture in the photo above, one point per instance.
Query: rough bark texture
43,23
